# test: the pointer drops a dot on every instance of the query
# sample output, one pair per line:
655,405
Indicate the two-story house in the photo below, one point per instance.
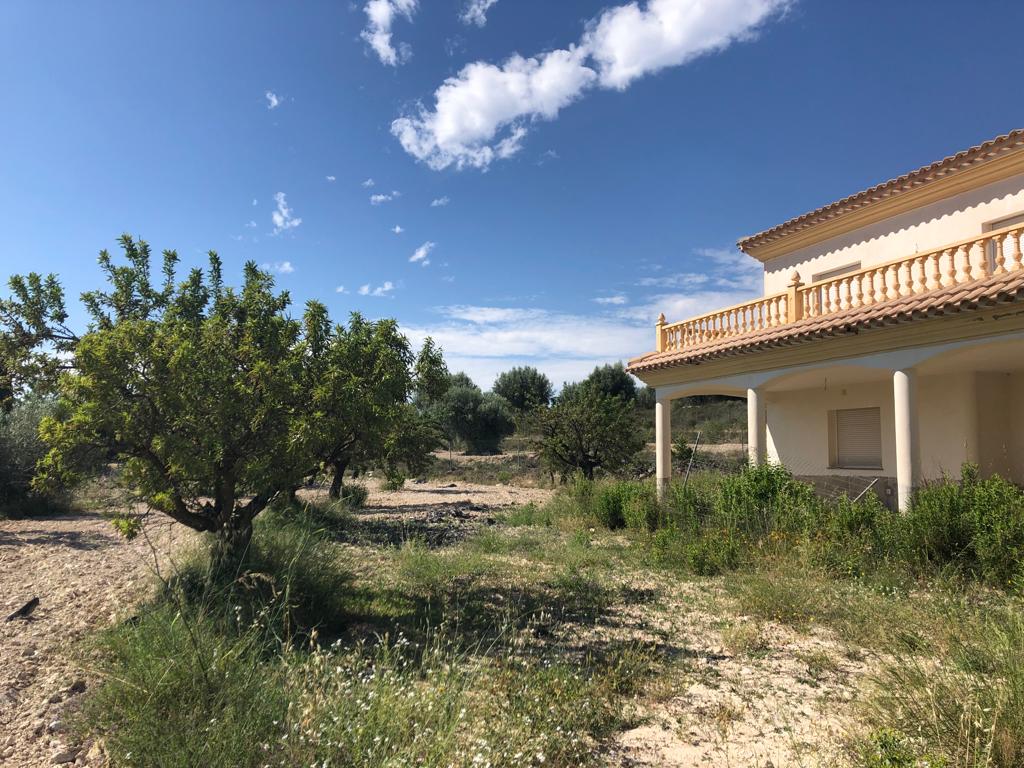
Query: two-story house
889,342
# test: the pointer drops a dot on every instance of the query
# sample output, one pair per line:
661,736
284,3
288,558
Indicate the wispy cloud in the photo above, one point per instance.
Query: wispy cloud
380,291
616,300
397,229
280,267
420,255
332,178
475,12
273,100
482,114
380,16
251,225
369,183
483,340
340,289
282,217
384,197
440,202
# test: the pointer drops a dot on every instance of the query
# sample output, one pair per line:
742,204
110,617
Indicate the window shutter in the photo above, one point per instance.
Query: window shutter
859,438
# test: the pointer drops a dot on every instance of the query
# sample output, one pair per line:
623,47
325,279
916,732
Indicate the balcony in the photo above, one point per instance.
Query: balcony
994,253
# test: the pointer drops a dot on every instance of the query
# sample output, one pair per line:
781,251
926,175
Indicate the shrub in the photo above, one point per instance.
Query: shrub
354,495
393,482
625,503
975,526
762,498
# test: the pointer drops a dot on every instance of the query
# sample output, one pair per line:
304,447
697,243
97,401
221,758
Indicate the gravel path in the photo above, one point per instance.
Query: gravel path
85,576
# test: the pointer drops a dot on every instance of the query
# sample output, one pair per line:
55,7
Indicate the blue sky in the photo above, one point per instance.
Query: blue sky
587,165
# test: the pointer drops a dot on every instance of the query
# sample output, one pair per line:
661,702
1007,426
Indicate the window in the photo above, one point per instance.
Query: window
855,438
828,274
989,226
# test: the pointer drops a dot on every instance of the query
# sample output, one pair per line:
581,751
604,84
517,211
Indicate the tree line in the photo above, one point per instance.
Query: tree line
215,400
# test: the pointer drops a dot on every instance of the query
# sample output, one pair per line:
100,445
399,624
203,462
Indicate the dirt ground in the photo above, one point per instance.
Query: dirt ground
782,701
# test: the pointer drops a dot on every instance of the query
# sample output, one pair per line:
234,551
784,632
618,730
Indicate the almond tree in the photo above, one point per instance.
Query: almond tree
193,387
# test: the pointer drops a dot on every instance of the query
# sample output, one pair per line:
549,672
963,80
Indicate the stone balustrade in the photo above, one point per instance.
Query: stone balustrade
992,253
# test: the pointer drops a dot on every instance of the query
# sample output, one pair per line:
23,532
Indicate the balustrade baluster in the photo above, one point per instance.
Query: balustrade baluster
949,275
999,255
855,291
919,281
843,290
935,273
983,266
891,282
880,285
1015,257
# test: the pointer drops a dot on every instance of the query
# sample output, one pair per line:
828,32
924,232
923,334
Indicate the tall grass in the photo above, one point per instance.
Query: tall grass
270,669
967,708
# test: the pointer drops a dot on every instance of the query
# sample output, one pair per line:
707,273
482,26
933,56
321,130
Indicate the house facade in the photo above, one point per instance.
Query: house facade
888,346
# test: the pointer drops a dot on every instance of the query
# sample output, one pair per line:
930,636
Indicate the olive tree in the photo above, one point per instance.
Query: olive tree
587,430
525,388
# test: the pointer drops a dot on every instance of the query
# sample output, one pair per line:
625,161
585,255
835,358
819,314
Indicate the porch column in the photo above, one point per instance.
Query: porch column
663,442
756,431
904,393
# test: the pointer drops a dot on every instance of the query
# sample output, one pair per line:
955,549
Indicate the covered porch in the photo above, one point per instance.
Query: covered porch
901,417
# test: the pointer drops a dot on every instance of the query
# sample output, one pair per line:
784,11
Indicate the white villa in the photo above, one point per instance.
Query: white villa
889,342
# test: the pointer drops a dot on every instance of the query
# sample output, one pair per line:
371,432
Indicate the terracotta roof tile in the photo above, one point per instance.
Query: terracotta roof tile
998,289
982,153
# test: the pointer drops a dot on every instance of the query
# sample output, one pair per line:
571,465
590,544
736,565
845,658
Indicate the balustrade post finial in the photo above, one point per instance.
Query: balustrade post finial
660,333
794,303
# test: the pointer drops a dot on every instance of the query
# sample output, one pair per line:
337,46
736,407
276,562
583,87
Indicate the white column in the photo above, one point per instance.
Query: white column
756,432
904,395
663,442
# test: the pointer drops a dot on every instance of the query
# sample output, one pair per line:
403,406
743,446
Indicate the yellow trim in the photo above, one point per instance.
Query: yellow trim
953,183
906,335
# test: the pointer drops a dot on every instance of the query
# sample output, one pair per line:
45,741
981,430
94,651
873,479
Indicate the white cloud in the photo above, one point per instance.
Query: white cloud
280,267
617,300
484,341
273,100
726,269
383,198
340,289
282,217
475,12
369,183
479,114
483,113
380,16
381,290
420,254
332,178
440,202
251,224
255,202
397,229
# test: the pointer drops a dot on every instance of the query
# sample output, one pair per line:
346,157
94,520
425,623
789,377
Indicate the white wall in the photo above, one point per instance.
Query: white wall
947,221
948,424
1015,416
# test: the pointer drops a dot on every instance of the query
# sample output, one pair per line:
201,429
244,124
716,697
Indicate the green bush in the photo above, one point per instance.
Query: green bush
760,499
974,526
20,450
393,482
355,495
621,504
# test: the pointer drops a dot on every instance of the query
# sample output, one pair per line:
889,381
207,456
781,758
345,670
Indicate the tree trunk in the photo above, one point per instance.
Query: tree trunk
339,479
230,547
